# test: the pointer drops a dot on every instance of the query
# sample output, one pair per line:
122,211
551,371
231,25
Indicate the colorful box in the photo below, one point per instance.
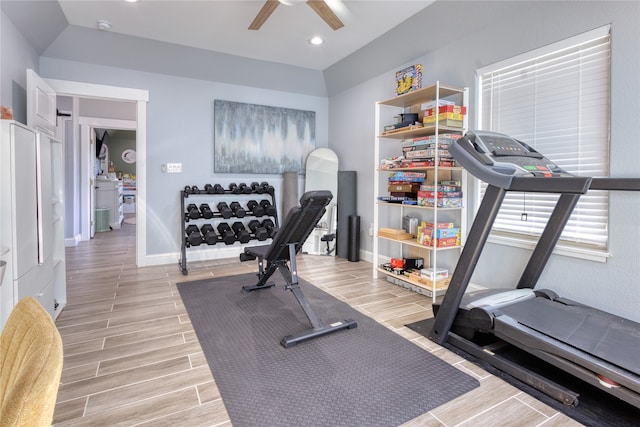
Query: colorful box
443,116
443,122
458,109
406,177
445,202
441,187
441,233
438,225
409,79
439,194
439,274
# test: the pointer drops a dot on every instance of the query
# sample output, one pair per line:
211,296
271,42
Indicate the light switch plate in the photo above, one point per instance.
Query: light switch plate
174,167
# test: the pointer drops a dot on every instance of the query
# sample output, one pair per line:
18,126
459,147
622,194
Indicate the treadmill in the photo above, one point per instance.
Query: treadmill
597,347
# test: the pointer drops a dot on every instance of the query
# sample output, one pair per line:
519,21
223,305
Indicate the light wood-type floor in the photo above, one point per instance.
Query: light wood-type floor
132,357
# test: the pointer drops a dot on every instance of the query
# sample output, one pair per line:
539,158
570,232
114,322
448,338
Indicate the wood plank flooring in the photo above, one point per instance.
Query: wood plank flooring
132,357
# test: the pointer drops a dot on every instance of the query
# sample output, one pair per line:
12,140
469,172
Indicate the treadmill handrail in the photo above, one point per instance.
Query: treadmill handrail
615,184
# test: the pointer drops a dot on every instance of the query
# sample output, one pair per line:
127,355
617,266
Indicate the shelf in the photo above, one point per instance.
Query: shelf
420,131
427,289
411,242
422,95
416,206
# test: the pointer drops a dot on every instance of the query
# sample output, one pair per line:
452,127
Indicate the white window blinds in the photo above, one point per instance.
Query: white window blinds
557,100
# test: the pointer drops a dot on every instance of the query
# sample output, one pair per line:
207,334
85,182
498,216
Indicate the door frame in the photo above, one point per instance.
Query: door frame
140,97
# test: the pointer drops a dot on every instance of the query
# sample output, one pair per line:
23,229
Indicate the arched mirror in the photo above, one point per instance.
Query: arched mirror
322,174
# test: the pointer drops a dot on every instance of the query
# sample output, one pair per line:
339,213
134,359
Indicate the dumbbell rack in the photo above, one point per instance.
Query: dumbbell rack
215,217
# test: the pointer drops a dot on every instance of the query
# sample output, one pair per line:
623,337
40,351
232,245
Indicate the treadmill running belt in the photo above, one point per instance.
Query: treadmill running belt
600,334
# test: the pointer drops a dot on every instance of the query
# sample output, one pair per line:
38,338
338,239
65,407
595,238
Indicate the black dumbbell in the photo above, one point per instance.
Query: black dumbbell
226,233
212,189
271,228
259,232
255,208
233,188
224,210
237,210
244,188
268,188
257,188
192,211
218,189
208,234
187,189
206,211
194,238
242,234
269,209
195,189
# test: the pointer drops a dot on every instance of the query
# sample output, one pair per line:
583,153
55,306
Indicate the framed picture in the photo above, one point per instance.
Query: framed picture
258,139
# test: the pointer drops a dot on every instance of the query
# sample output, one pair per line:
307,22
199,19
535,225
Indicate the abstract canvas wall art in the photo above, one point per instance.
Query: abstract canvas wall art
259,139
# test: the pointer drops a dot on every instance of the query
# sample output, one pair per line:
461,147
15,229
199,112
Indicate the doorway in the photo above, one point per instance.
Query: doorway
85,91
121,158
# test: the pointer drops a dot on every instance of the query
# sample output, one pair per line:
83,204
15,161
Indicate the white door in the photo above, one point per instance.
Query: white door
41,104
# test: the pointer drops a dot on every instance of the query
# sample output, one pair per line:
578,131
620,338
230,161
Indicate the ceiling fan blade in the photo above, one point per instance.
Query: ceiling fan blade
266,11
325,12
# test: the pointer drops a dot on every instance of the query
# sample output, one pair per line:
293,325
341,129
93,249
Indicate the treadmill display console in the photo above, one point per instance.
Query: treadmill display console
502,156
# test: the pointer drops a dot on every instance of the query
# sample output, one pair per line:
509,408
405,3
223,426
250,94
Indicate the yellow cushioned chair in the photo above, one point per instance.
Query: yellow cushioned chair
30,366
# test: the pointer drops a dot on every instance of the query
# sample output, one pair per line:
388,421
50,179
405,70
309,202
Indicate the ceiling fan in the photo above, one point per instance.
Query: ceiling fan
318,6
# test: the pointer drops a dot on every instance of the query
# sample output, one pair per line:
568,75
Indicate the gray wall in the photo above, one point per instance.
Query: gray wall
119,141
17,56
509,29
180,130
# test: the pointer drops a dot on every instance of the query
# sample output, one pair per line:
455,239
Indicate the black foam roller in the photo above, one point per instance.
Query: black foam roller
347,205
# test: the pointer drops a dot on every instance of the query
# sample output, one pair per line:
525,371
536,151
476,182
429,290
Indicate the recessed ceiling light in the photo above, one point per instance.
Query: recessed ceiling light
103,25
317,40
131,1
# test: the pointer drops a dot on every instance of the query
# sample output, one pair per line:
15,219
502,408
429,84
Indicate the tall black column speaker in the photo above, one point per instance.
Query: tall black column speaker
347,205
354,238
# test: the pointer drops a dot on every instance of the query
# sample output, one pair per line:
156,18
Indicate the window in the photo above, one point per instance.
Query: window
555,99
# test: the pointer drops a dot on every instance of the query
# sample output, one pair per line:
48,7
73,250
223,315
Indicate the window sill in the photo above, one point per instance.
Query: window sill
560,249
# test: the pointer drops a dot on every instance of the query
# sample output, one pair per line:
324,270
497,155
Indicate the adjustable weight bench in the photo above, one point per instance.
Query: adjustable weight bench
281,255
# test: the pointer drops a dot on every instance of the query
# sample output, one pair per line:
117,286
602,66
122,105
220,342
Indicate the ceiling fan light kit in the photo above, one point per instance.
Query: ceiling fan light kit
320,7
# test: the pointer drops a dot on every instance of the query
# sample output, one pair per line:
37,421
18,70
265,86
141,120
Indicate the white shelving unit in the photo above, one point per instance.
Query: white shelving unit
390,215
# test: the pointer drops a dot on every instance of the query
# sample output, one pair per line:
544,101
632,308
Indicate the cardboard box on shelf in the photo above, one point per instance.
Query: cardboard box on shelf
403,188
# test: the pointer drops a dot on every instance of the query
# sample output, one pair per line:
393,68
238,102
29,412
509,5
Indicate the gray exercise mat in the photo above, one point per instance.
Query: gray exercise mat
368,376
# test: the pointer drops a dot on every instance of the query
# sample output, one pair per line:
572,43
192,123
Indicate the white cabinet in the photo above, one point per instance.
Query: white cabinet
31,218
109,196
390,242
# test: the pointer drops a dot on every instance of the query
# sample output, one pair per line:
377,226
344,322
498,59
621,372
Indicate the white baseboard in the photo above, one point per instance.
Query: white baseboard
72,241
